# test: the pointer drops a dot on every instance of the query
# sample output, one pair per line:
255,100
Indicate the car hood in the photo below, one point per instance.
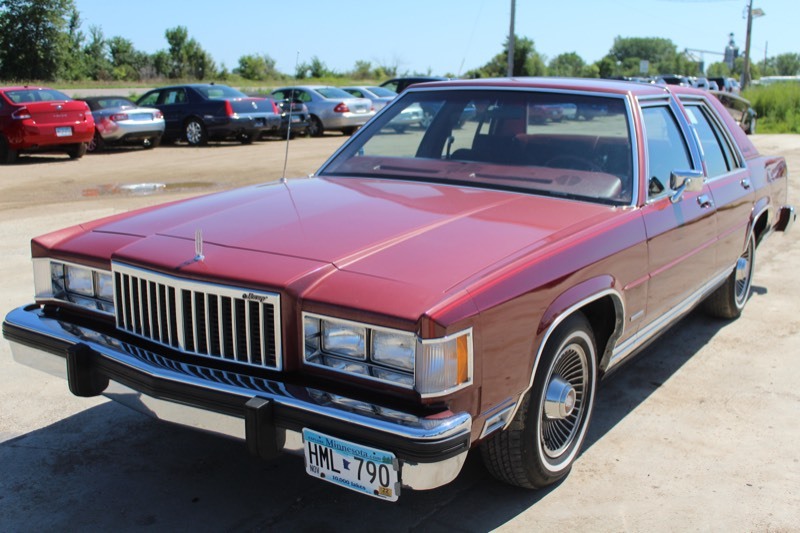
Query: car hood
335,238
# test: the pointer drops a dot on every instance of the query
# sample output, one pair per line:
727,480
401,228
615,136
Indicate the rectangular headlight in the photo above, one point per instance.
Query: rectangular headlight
394,348
433,367
77,284
344,338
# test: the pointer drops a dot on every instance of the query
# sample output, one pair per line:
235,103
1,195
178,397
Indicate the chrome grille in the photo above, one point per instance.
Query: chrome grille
215,321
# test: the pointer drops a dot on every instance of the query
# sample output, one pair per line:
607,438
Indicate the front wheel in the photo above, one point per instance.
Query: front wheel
545,436
729,299
195,132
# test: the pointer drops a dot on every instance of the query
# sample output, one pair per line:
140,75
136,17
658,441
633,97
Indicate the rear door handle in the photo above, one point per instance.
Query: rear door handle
745,183
704,201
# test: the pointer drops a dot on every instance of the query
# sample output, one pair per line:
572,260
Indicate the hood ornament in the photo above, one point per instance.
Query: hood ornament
198,245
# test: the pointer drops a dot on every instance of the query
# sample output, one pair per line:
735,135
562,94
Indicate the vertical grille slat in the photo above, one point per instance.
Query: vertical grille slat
198,318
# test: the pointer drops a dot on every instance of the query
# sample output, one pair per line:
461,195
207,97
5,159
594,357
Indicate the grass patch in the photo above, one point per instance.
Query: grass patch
778,107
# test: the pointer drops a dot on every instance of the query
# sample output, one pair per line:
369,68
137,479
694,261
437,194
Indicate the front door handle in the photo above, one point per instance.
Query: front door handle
745,183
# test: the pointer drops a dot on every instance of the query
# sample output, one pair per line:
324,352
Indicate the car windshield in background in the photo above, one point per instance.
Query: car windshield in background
106,103
217,92
23,96
382,91
565,145
333,92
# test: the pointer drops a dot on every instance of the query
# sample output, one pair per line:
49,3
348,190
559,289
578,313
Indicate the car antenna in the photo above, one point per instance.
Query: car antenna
289,122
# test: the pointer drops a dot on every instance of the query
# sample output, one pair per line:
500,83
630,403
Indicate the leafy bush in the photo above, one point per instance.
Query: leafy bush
778,107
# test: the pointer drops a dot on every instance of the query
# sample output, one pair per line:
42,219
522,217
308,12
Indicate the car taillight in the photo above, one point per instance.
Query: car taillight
158,114
275,108
21,114
117,117
228,108
341,108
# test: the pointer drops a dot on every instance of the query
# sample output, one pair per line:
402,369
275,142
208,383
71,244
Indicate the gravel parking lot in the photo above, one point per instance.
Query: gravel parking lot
699,433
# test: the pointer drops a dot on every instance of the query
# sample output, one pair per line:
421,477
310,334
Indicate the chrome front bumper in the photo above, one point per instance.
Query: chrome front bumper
267,414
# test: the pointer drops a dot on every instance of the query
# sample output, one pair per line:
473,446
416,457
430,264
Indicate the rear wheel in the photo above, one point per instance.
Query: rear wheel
315,128
8,156
545,436
729,299
195,132
76,151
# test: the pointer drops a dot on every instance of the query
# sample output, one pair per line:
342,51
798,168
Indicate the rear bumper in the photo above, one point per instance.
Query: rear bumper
786,218
269,415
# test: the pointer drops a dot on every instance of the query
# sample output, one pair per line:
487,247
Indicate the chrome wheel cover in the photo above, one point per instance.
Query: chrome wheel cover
557,433
744,275
194,132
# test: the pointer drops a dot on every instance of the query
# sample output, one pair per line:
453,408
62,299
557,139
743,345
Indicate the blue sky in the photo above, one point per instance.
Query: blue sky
438,36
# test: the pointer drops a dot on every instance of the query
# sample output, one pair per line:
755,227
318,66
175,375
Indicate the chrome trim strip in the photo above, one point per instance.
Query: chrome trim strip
627,348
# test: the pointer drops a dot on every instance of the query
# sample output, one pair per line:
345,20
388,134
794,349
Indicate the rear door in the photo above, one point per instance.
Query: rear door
681,234
728,180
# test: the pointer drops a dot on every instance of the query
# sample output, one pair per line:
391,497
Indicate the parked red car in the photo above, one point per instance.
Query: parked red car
465,284
38,119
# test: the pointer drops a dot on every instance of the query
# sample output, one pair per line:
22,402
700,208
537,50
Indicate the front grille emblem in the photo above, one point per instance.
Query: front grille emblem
198,245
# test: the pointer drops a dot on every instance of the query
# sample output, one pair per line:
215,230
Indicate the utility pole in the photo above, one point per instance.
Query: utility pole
746,68
511,44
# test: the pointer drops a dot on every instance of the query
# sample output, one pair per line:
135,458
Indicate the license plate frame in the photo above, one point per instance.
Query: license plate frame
64,131
353,466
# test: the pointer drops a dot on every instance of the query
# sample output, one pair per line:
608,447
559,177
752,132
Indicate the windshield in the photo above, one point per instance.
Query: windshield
567,145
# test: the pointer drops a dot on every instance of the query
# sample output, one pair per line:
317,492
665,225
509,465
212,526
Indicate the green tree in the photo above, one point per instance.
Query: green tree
127,63
527,61
362,70
569,65
787,64
257,67
96,56
35,38
185,57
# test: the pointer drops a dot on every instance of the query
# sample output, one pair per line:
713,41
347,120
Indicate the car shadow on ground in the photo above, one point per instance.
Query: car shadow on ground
108,467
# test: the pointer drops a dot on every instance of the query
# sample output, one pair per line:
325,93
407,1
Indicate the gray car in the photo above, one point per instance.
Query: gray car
118,120
380,96
330,108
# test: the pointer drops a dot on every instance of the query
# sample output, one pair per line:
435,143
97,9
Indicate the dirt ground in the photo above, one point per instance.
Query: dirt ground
700,433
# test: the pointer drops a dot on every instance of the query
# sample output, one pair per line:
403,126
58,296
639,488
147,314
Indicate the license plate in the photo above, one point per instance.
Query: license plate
64,131
296,118
353,466
259,122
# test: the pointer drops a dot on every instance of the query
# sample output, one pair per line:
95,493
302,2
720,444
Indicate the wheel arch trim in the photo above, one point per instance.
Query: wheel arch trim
565,306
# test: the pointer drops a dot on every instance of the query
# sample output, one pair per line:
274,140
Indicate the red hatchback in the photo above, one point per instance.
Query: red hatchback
38,119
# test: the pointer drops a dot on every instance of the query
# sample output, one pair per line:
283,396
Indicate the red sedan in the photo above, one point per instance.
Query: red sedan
465,284
38,119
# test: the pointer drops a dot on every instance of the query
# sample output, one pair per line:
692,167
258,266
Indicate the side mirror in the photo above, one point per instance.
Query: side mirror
681,181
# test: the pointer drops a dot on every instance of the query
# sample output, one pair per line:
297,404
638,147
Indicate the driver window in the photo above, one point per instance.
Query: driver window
666,148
